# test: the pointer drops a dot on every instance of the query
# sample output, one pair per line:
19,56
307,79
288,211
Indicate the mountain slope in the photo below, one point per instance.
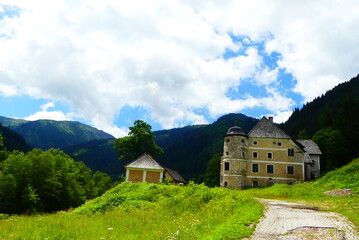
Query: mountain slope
13,140
45,134
98,155
338,109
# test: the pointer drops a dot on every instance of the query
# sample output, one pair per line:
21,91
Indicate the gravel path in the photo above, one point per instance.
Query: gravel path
285,220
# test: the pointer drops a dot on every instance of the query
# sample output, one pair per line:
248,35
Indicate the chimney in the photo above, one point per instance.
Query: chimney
271,119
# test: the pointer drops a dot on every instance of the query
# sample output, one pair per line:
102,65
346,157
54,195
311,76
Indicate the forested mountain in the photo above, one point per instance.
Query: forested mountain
98,155
45,134
333,121
13,140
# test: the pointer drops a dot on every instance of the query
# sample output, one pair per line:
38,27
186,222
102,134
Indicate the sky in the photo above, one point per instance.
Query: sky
171,63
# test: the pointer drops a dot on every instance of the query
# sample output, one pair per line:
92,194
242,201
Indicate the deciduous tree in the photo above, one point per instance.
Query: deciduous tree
139,140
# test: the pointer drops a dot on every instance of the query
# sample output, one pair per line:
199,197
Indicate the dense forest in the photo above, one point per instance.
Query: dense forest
43,181
331,120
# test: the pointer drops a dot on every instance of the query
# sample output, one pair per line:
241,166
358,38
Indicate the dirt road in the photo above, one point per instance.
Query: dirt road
285,220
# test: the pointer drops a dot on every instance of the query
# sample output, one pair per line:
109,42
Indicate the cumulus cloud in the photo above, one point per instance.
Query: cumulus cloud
170,56
50,115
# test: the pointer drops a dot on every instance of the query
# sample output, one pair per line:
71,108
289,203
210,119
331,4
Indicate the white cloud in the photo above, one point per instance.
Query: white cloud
50,115
8,91
167,56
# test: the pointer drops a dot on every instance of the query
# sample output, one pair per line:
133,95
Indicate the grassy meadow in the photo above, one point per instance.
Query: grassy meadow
146,211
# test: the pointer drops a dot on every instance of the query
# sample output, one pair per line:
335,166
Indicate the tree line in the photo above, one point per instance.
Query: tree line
45,181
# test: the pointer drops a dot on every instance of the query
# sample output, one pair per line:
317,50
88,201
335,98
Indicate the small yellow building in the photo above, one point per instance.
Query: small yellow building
267,155
147,169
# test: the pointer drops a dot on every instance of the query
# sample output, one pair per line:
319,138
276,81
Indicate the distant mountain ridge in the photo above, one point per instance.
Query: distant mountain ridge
45,134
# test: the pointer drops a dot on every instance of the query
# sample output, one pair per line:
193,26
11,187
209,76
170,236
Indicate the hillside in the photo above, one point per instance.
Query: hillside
13,140
98,155
337,109
45,134
146,211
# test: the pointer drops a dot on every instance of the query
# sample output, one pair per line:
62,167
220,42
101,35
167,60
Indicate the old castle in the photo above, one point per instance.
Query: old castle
267,155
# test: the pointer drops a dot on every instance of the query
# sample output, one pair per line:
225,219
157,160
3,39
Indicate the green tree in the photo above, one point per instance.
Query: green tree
139,141
3,150
102,182
333,146
303,134
212,174
46,181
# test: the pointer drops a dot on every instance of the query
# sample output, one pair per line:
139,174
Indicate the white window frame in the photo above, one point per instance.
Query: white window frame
268,155
253,154
255,142
279,144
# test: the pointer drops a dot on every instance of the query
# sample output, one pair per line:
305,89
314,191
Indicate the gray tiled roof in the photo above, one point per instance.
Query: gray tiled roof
175,175
145,161
267,129
310,146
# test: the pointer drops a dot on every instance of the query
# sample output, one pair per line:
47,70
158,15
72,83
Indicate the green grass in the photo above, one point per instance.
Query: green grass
146,211
312,193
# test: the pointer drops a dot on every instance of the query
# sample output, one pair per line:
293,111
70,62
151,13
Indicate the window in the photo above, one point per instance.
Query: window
226,166
290,170
255,143
243,154
255,167
227,153
269,155
290,152
227,139
255,154
270,168
279,144
255,183
242,140
225,183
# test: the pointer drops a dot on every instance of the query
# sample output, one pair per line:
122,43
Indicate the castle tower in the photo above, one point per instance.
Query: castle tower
234,159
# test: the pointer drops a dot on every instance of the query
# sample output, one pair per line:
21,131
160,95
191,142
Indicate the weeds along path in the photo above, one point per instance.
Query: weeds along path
285,220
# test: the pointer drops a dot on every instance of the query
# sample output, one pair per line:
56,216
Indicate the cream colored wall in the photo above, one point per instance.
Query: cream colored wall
240,171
